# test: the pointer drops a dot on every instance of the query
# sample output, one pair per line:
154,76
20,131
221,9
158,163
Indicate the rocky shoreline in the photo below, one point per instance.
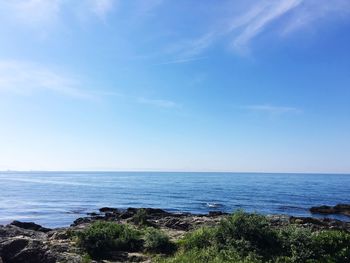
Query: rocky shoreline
32,243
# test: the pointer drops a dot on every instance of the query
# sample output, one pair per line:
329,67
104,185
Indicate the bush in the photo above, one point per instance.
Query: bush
247,233
244,237
101,238
140,218
198,239
297,244
332,246
157,241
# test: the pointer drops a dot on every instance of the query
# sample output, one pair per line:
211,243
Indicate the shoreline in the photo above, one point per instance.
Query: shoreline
56,245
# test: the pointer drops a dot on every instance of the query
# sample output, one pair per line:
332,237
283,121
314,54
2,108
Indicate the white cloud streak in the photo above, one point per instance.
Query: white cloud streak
43,14
242,29
262,16
272,110
26,79
159,103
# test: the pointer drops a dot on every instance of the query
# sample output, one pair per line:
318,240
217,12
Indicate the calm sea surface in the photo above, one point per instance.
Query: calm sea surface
57,198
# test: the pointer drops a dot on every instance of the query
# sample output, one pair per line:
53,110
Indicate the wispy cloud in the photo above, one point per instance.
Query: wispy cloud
32,12
27,78
102,7
44,14
314,10
181,61
159,103
272,110
256,20
241,29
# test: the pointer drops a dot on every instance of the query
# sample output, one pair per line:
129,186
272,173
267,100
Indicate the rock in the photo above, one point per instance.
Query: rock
81,220
14,231
156,212
21,250
216,213
109,209
306,220
178,224
343,209
92,214
126,215
30,226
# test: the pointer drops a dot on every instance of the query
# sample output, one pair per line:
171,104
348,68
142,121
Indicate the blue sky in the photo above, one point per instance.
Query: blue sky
175,85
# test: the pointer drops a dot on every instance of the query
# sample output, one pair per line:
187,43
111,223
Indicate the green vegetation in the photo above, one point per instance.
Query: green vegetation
247,237
140,218
157,241
241,238
102,238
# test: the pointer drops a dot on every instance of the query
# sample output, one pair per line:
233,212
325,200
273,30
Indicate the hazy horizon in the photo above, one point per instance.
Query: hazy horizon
240,86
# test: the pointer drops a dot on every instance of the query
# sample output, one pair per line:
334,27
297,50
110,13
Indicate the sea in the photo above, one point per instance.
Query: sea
56,199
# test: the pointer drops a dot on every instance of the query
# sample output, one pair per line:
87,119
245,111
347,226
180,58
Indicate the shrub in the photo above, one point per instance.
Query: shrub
157,241
332,246
101,238
297,244
247,233
140,218
198,239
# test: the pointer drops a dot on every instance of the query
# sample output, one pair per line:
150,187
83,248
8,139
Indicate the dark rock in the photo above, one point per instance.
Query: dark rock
14,231
343,209
92,214
31,226
9,248
156,212
109,209
126,215
178,224
216,213
81,220
323,209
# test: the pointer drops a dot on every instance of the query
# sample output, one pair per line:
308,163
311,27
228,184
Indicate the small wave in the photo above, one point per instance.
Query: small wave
214,205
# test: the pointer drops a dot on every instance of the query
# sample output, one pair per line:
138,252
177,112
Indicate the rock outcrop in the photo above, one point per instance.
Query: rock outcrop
340,209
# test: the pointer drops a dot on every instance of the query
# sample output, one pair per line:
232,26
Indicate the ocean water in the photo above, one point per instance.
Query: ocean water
55,199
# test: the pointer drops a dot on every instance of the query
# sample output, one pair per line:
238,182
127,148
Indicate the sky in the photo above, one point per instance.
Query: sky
187,85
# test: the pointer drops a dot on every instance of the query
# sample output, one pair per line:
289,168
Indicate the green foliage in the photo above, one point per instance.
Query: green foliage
297,243
140,218
244,238
157,241
198,239
333,245
101,238
86,258
248,233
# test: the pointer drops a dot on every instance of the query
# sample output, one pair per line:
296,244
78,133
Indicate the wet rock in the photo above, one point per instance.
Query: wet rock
81,220
30,226
92,214
109,209
343,209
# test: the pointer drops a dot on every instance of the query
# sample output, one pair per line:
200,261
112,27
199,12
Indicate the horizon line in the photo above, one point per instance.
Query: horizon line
168,171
